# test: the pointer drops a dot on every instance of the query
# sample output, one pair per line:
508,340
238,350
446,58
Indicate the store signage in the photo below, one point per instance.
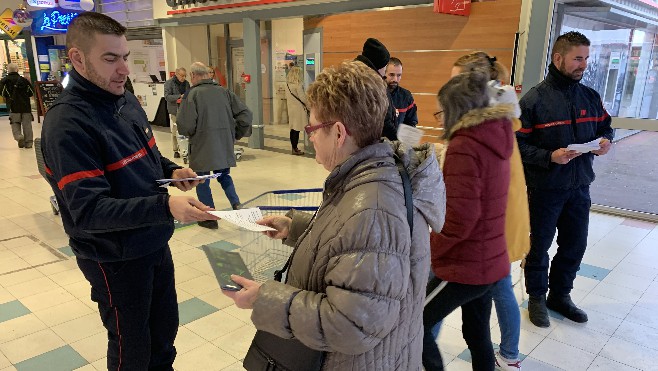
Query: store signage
189,6
455,7
8,24
52,21
42,3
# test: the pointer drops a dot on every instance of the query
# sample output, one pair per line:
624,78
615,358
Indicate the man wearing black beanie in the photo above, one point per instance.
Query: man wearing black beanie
376,56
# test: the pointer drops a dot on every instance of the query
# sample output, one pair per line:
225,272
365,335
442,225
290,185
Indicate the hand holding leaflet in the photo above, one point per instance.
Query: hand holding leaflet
245,218
165,182
586,147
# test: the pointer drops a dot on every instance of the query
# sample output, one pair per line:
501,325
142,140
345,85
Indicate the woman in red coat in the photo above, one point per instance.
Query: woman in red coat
470,252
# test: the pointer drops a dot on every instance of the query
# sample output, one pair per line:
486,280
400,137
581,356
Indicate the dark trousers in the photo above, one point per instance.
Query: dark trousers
294,138
568,212
138,307
475,301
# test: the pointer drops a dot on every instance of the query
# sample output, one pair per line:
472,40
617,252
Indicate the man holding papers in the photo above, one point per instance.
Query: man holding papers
102,163
560,116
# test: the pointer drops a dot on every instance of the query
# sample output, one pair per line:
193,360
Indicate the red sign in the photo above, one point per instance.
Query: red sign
518,88
455,7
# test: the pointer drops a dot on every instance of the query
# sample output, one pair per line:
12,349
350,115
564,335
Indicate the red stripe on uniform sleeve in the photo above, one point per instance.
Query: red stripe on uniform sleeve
48,171
77,176
152,142
525,130
408,108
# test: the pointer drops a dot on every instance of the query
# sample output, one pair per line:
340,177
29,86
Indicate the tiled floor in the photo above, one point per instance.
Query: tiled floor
48,322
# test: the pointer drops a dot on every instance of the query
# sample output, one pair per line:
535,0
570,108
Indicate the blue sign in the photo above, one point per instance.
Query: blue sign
51,21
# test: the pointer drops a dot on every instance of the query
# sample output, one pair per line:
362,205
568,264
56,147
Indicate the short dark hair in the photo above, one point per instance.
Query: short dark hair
395,61
566,41
83,29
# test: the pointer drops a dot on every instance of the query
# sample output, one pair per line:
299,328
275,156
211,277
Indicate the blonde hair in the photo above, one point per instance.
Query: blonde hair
481,61
295,76
353,94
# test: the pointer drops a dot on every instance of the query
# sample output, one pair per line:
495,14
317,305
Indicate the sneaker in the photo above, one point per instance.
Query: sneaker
21,142
563,305
176,154
236,206
504,364
210,224
297,152
538,312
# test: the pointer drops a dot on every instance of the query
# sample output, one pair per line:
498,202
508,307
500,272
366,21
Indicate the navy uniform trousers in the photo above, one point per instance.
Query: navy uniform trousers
566,211
137,303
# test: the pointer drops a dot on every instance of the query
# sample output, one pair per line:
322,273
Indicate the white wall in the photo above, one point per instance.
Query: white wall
287,34
185,45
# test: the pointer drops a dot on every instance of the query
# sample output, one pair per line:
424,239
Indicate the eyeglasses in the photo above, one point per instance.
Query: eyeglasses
309,129
438,115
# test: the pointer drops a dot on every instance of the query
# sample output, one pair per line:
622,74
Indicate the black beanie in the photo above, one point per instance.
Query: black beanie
376,53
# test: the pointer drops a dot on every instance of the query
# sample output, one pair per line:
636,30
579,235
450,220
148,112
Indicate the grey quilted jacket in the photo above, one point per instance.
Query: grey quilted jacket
357,281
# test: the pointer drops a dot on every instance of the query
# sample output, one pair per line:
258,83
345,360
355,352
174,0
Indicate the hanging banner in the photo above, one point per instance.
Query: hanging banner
8,24
191,6
42,3
455,7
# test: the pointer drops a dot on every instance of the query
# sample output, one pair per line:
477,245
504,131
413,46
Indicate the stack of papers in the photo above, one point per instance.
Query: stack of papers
245,218
165,182
586,147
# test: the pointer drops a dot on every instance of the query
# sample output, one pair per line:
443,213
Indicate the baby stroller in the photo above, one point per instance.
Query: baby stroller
41,166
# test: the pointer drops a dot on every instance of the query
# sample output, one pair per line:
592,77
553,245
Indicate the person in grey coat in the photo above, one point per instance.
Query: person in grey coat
174,89
356,285
213,118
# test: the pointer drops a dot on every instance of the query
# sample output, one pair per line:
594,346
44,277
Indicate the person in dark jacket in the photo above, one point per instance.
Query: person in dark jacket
403,101
174,90
556,113
102,163
376,56
213,117
469,255
17,91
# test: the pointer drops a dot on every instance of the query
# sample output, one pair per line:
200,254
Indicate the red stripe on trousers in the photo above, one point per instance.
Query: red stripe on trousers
116,312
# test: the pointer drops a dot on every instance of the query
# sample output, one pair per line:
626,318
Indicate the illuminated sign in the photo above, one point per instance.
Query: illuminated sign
8,24
42,3
52,21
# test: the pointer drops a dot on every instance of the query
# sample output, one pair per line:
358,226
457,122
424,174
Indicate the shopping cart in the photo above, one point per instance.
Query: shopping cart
184,148
264,255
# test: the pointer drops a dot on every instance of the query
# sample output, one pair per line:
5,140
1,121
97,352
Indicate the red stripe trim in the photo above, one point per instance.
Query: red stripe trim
77,176
525,130
48,171
588,119
116,312
408,108
551,124
129,159
227,6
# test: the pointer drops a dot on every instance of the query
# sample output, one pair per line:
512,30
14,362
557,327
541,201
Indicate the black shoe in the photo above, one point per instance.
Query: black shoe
176,154
236,206
538,312
563,305
21,142
210,224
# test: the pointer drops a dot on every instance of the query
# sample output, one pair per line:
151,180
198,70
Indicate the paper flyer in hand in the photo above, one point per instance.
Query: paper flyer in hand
245,218
586,147
200,177
410,135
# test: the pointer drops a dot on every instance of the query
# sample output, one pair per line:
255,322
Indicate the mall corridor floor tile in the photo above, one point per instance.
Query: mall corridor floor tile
11,310
60,359
193,309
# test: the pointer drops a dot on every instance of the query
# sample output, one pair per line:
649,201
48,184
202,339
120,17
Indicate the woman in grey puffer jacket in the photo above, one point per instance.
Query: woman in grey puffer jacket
356,285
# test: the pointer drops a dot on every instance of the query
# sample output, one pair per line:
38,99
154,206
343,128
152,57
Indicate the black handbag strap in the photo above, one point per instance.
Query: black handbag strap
299,100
